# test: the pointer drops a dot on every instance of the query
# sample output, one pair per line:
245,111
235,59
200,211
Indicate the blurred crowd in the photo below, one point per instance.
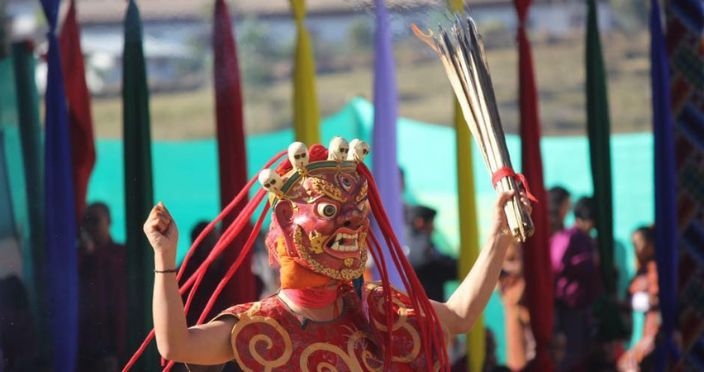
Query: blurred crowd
592,328
582,309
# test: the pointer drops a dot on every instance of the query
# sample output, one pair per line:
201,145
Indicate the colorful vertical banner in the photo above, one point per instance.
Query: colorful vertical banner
536,250
467,210
684,40
138,186
60,225
665,209
306,115
30,135
78,98
232,154
469,231
384,134
599,132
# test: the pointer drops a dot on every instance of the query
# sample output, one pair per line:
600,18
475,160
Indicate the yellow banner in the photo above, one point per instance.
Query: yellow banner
469,233
456,5
306,115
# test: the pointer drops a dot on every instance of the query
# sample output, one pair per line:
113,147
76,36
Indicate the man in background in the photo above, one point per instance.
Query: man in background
575,265
433,268
102,294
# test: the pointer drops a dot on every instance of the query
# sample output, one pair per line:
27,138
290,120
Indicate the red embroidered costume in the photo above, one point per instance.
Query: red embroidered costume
319,238
270,336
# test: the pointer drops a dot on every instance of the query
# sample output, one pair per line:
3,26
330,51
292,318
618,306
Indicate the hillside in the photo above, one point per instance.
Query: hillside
423,88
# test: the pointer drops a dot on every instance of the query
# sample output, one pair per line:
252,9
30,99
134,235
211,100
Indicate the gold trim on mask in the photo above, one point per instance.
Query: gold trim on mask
326,188
315,266
316,241
295,179
362,194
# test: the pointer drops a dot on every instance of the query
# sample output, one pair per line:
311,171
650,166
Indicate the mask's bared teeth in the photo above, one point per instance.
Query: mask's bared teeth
344,243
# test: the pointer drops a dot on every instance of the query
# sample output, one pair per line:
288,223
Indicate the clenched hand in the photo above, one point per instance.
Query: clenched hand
161,230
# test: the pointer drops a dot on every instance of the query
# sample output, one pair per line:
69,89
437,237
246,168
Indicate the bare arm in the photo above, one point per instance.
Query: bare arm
511,293
461,310
205,344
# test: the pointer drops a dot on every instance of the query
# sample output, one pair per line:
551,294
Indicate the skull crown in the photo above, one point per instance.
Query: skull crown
358,150
340,154
338,149
298,156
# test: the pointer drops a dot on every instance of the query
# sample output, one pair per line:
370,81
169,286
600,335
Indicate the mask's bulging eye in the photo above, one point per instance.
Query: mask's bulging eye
327,210
345,181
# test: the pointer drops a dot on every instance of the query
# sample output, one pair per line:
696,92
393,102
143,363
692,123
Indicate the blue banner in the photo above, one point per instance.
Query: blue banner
60,223
384,135
665,213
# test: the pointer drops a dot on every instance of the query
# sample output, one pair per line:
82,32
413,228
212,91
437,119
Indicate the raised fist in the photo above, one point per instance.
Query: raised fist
161,230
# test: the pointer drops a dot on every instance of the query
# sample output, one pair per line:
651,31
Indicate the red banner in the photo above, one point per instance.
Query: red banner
536,255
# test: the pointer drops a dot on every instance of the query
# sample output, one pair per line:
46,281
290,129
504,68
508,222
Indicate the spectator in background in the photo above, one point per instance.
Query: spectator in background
212,276
643,292
559,204
18,339
520,348
368,275
268,281
491,360
520,343
102,294
433,268
578,285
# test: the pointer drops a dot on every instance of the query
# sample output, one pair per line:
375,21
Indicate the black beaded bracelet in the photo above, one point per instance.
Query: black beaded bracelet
165,271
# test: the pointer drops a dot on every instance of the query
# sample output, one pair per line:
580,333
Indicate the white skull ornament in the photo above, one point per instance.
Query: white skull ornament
270,180
358,150
338,149
298,156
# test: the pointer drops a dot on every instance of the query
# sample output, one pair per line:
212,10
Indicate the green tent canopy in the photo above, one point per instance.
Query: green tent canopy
186,179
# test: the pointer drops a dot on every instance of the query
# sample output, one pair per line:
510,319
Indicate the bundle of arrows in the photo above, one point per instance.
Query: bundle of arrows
462,54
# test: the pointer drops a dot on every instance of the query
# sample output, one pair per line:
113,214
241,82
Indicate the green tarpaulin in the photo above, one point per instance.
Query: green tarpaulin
185,177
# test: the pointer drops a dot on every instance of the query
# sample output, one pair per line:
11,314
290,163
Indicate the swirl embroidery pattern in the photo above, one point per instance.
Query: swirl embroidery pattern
264,357
269,337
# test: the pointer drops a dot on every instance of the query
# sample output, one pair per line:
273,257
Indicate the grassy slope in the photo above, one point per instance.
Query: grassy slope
424,92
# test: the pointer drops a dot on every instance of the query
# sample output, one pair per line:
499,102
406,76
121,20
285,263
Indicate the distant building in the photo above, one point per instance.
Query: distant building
170,65
177,32
546,15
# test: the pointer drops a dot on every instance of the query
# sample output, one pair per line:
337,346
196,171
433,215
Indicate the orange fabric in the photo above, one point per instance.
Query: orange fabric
368,275
294,275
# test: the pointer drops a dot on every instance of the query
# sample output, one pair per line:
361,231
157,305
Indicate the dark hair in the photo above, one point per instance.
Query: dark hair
197,229
648,233
585,209
420,211
94,211
100,206
557,195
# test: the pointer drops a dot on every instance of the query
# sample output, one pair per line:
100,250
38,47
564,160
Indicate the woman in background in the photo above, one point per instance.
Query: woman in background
643,291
